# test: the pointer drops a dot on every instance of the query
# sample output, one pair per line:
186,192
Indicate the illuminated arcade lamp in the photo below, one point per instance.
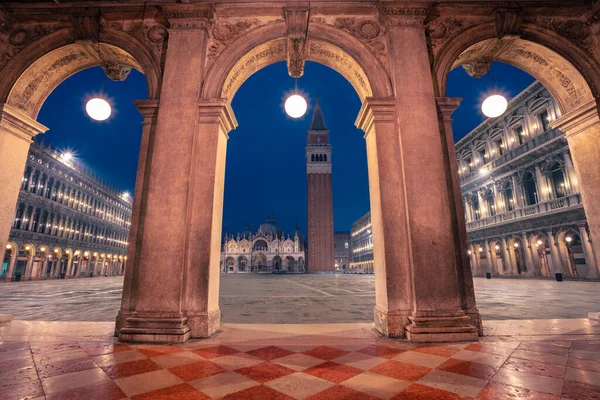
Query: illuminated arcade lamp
295,105
98,108
495,104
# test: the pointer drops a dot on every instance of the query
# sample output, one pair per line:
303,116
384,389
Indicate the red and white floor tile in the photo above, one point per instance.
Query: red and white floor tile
344,363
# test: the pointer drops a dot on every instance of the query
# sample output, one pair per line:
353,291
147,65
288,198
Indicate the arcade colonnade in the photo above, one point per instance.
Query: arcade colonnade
396,57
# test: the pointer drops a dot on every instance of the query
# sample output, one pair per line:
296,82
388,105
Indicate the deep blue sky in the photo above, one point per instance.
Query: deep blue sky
265,157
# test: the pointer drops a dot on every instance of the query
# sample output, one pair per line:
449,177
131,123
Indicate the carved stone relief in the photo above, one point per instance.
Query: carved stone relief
147,31
225,32
369,31
16,38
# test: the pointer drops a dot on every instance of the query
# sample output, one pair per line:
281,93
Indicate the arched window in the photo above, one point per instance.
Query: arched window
530,189
34,181
500,145
520,134
558,180
19,216
491,204
312,157
49,188
325,157
26,177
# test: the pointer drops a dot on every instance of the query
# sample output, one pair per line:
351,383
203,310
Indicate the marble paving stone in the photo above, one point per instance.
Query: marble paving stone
476,370
147,382
269,353
156,351
422,392
582,363
23,390
500,391
17,363
103,390
455,383
333,372
176,359
479,357
420,359
341,392
402,371
583,376
215,351
219,385
533,367
298,385
21,375
237,361
178,392
325,352
540,357
573,390
257,392
14,354
299,362
197,370
265,372
585,354
381,351
64,367
130,368
530,381
376,384
360,360
442,351
73,380
117,358
543,347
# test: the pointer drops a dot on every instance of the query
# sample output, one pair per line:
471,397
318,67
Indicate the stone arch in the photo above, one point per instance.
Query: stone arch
266,45
38,69
569,74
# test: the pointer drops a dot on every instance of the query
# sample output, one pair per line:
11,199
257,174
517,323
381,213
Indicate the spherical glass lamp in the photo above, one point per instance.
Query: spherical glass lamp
295,106
494,106
98,109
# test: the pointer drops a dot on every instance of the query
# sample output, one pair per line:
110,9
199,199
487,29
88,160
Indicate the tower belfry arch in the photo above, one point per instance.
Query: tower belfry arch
396,55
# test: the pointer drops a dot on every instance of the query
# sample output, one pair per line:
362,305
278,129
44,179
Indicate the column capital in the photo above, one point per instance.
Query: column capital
376,110
402,16
446,106
577,120
15,122
148,109
217,111
189,16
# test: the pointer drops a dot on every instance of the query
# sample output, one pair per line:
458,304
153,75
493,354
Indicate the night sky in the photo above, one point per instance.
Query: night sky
265,170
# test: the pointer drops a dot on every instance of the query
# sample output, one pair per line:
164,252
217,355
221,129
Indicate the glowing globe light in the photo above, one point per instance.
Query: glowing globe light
67,156
494,106
98,109
295,106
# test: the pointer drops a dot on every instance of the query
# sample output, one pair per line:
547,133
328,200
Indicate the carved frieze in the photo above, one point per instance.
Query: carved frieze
508,22
192,18
575,30
390,16
225,32
147,31
15,39
296,21
369,31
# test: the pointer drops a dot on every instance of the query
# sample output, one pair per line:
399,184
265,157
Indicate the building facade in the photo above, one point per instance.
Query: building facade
320,201
68,223
341,246
268,250
361,244
523,209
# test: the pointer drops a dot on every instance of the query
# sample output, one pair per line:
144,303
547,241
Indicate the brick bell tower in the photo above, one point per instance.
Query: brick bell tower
321,256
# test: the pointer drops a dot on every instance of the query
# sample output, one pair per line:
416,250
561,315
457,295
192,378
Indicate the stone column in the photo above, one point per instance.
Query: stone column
554,253
28,268
68,269
506,262
445,107
16,133
393,289
44,269
526,248
154,306
582,128
11,267
571,183
588,252
433,265
149,110
205,217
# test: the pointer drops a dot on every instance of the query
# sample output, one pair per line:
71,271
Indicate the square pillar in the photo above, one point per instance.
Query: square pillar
436,270
582,128
154,305
16,134
393,289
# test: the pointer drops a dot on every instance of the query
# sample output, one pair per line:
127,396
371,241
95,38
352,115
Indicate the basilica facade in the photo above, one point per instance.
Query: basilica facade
523,208
269,250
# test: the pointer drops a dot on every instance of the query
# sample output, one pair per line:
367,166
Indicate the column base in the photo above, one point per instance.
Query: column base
475,320
390,325
204,325
441,329
155,329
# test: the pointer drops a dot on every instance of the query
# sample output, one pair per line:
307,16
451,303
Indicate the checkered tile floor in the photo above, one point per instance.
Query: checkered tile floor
342,368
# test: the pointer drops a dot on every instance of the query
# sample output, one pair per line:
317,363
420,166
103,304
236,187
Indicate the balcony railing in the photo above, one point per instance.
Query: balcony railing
536,209
510,155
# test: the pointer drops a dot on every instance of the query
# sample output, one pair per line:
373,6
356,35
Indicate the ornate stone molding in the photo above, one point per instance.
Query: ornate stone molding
367,30
14,39
407,17
147,31
116,72
577,120
217,111
576,30
13,122
374,111
446,106
196,17
508,22
225,32
86,27
296,21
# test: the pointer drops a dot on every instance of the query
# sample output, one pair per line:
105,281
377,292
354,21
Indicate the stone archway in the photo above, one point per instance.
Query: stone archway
560,53
375,52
